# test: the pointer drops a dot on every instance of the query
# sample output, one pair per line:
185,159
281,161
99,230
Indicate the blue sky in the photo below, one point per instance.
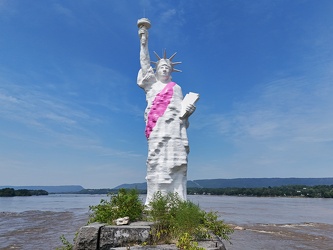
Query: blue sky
71,112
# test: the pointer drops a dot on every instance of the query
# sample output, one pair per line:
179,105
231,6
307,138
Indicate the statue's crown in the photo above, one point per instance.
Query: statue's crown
167,61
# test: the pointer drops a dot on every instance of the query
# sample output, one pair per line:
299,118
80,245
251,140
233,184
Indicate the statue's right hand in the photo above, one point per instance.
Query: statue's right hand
149,76
143,34
142,31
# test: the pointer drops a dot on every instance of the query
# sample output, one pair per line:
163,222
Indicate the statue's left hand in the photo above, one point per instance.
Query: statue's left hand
187,149
190,109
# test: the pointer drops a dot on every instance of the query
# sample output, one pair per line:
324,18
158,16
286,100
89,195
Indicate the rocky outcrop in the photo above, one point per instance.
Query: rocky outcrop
104,237
88,237
118,236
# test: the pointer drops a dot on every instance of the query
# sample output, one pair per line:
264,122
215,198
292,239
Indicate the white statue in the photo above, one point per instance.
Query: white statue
166,118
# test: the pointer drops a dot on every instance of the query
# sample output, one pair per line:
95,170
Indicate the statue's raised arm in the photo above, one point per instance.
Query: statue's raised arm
144,25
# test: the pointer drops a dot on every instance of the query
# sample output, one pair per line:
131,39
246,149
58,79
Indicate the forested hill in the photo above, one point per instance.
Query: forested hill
244,183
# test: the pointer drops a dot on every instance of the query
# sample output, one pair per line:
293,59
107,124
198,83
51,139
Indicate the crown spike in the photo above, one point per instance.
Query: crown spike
176,70
157,56
164,54
171,57
175,63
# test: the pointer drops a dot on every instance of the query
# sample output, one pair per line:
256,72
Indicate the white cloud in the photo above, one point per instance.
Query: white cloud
286,108
31,106
48,117
168,16
4,99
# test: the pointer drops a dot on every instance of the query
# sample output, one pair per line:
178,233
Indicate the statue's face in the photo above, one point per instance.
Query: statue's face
163,72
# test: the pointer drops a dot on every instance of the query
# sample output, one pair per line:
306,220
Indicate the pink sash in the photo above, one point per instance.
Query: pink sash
158,107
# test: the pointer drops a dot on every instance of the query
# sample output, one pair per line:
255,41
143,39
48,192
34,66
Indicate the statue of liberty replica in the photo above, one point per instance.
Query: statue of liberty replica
166,117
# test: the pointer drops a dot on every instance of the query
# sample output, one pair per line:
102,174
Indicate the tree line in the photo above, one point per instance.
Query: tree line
319,191
11,192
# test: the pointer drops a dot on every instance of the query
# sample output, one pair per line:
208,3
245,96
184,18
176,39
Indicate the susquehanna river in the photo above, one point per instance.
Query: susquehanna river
37,222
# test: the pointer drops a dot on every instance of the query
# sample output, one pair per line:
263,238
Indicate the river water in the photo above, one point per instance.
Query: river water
37,222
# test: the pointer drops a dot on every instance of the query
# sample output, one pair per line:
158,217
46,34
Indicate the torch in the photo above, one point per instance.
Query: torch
143,24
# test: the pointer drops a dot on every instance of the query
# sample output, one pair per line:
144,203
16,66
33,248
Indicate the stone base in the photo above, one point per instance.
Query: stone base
103,237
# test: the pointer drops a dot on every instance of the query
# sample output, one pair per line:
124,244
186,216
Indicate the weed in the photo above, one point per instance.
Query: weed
66,244
125,203
185,242
181,221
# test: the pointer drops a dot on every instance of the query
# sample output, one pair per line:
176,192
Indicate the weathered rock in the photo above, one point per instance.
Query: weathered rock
154,247
118,236
88,237
212,244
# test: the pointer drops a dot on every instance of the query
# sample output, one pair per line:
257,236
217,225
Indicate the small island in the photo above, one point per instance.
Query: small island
11,192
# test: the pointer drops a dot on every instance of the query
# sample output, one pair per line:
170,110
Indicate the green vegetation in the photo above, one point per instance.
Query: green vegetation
185,241
175,220
125,203
66,244
10,192
319,191
183,222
